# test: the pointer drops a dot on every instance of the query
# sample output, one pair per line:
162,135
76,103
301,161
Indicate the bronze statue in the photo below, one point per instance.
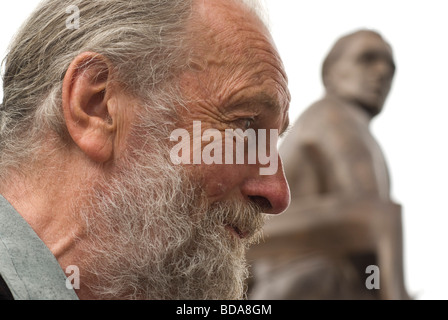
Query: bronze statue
341,219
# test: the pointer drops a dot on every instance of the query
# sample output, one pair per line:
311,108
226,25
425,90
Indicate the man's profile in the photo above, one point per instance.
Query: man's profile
85,169
341,220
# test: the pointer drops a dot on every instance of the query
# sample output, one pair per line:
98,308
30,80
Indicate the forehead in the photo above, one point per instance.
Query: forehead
218,19
235,50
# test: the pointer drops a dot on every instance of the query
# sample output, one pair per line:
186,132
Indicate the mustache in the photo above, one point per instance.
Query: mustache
246,219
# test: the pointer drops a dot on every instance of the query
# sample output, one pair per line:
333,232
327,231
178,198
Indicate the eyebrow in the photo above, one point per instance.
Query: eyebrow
273,104
269,102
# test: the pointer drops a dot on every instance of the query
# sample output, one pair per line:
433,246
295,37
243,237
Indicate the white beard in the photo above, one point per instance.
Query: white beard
153,235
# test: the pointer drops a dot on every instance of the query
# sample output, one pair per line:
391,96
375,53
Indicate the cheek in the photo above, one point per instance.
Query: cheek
221,182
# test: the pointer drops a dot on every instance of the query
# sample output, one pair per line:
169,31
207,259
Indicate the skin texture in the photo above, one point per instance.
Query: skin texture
236,81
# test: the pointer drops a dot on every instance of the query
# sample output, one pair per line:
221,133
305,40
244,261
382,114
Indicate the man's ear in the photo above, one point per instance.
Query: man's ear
86,105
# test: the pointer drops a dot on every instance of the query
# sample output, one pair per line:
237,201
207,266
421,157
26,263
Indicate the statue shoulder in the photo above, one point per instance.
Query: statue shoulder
321,115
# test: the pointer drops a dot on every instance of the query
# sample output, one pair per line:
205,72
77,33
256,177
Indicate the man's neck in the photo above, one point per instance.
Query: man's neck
48,204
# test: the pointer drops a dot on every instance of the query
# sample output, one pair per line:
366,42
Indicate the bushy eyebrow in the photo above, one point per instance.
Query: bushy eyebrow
261,98
255,100
272,104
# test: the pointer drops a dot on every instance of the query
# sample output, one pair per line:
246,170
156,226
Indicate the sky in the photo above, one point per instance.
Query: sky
412,128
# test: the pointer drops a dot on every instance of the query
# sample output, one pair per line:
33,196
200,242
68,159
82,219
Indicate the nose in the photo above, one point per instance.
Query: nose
270,192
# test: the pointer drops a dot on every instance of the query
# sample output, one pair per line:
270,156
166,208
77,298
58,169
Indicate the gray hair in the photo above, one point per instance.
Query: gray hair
144,56
143,39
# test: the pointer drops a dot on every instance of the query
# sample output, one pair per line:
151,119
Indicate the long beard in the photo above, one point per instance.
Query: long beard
153,235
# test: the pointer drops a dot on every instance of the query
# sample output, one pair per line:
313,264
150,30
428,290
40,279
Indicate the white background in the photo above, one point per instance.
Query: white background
411,130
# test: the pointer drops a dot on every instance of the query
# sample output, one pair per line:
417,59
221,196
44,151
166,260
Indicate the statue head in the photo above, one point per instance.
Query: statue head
359,69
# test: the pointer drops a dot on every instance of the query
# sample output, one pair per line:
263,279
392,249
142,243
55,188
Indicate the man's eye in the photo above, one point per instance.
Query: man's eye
245,123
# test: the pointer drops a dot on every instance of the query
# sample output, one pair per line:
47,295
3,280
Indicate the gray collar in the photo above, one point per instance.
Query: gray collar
26,264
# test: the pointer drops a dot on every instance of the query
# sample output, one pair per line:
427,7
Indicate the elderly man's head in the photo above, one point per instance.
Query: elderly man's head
360,68
85,126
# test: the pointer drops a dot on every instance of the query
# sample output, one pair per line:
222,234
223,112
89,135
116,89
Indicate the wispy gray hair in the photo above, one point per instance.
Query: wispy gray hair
143,39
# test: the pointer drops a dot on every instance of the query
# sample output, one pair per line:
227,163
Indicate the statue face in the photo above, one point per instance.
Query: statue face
364,72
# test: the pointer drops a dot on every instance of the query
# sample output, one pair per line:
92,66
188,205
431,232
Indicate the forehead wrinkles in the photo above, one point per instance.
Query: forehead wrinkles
229,35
